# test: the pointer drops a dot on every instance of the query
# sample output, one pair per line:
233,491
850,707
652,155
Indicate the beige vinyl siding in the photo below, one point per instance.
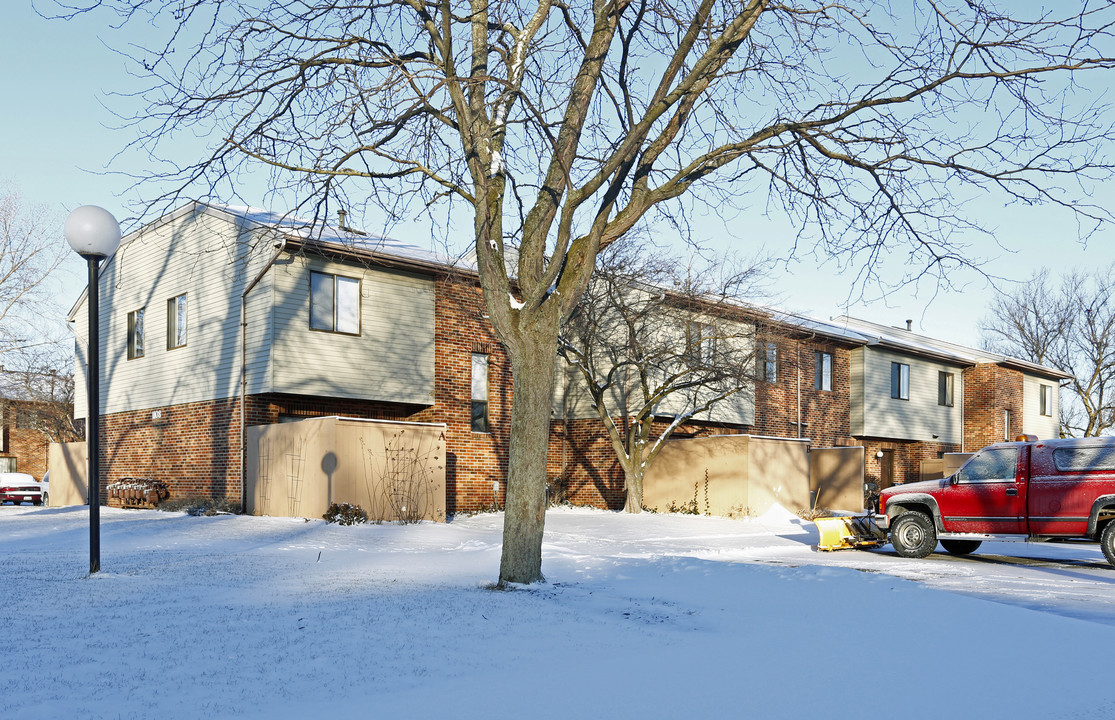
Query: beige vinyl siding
920,417
1033,422
391,360
572,400
856,399
199,253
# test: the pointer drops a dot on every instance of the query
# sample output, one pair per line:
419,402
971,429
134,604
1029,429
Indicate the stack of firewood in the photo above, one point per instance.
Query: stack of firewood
137,493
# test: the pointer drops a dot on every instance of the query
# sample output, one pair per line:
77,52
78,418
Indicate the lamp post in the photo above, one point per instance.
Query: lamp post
93,233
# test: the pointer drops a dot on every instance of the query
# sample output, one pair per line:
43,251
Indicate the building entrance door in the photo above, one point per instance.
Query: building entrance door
886,469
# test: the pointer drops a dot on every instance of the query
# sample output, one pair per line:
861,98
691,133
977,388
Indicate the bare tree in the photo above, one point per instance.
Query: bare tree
46,399
559,126
30,250
654,342
1070,326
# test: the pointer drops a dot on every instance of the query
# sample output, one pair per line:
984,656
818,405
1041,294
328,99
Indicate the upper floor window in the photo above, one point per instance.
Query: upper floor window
176,316
822,371
135,334
480,421
900,381
768,367
944,388
1007,418
1046,400
700,342
334,303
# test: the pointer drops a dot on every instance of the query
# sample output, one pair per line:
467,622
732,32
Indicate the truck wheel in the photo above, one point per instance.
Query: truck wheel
961,547
1107,542
912,534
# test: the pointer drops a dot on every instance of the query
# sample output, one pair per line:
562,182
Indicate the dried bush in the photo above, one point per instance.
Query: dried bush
199,505
345,514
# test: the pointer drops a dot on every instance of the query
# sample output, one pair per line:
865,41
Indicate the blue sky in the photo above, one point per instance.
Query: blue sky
58,135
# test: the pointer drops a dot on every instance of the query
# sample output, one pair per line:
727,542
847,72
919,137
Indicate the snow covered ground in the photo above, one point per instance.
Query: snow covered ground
650,616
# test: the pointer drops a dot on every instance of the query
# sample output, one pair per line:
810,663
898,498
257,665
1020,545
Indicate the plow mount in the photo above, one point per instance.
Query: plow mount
848,532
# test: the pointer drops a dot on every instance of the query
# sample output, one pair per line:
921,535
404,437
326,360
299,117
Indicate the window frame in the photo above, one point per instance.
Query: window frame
176,330
700,342
136,332
822,370
479,407
946,388
1045,400
963,477
769,363
336,298
899,381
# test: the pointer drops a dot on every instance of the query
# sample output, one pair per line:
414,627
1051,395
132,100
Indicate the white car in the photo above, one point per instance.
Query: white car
20,488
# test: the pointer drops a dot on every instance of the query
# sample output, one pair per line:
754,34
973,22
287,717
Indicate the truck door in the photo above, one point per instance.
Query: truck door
988,494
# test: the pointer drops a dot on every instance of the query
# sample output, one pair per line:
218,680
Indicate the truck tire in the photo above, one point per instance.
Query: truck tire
912,534
1107,541
961,547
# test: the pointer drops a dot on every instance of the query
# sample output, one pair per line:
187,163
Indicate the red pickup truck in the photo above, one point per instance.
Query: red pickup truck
1036,490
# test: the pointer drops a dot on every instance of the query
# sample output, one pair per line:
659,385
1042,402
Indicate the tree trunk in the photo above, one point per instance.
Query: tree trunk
633,480
532,370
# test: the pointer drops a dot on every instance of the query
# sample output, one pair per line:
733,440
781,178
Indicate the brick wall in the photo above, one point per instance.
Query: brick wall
23,436
989,390
825,414
475,462
908,456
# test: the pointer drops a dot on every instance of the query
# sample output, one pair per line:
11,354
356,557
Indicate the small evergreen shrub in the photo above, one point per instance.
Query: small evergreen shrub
345,514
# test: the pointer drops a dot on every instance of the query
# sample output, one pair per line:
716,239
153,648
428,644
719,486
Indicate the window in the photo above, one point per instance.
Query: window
990,465
700,342
334,303
944,388
480,394
769,367
1046,400
900,381
176,322
1006,426
135,334
27,418
1082,459
822,371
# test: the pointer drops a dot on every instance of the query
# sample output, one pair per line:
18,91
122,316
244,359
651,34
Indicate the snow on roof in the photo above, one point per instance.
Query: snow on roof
905,340
342,238
845,328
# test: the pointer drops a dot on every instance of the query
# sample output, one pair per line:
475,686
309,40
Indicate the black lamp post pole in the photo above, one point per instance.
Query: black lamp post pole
93,422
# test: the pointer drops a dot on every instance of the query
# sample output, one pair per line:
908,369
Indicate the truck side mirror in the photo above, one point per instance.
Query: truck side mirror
954,479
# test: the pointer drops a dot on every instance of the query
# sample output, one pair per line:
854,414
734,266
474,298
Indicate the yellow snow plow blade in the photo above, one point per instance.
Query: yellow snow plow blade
848,532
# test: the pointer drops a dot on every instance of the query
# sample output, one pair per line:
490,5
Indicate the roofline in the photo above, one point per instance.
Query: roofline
951,352
832,329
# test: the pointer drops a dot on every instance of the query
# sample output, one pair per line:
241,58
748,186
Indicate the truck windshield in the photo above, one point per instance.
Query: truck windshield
990,465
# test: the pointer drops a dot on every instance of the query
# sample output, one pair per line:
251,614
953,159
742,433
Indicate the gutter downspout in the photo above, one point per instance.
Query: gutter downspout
280,249
797,363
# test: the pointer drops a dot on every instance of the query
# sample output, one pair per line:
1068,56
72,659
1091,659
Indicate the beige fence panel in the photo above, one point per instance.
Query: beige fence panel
952,463
729,475
393,470
836,478
67,465
932,469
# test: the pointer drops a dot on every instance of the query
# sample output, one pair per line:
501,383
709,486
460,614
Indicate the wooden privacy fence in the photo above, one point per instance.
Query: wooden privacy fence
67,465
729,475
393,470
736,475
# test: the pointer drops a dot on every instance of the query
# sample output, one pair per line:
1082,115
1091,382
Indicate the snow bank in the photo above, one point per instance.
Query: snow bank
650,616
